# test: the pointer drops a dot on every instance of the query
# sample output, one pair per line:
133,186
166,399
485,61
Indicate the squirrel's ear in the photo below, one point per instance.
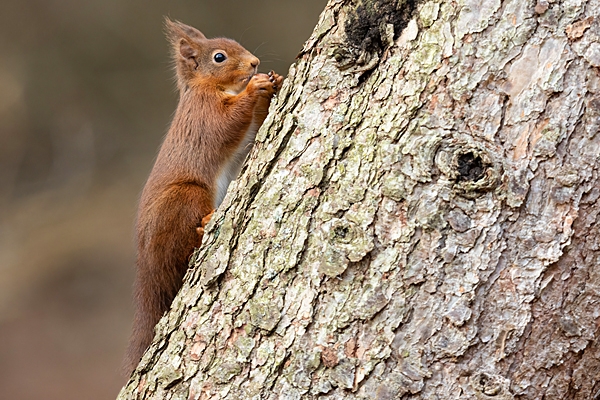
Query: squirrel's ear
187,51
185,41
176,30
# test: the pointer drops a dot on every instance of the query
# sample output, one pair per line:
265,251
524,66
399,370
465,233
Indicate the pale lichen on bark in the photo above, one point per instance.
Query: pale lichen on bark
418,218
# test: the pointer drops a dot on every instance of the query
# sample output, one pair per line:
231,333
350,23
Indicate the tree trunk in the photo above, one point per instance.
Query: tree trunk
418,218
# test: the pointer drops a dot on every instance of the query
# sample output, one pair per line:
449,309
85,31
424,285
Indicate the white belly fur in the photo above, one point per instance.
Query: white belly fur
231,170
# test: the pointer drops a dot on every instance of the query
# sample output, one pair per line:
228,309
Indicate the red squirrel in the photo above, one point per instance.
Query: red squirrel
222,103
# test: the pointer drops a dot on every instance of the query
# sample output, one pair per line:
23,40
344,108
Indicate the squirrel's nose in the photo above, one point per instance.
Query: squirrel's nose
255,62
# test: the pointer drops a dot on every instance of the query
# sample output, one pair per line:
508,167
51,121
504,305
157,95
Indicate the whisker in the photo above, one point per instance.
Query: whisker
256,49
243,33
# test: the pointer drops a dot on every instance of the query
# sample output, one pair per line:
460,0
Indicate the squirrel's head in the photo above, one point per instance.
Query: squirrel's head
217,62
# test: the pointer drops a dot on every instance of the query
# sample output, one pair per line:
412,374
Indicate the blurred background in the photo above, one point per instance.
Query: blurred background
86,95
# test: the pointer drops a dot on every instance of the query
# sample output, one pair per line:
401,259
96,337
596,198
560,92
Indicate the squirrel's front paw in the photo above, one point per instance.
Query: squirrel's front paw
266,84
276,79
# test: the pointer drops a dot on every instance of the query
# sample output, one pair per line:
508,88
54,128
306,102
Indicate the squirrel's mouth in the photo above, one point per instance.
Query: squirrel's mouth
247,79
239,86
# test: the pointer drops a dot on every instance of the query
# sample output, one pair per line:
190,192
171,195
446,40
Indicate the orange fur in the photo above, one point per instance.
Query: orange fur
221,104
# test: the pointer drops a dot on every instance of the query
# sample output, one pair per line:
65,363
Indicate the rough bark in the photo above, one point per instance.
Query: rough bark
418,219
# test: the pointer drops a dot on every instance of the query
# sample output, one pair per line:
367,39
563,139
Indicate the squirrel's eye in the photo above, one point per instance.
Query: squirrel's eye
220,57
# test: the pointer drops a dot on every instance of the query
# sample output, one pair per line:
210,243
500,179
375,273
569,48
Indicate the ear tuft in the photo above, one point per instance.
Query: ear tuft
176,30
